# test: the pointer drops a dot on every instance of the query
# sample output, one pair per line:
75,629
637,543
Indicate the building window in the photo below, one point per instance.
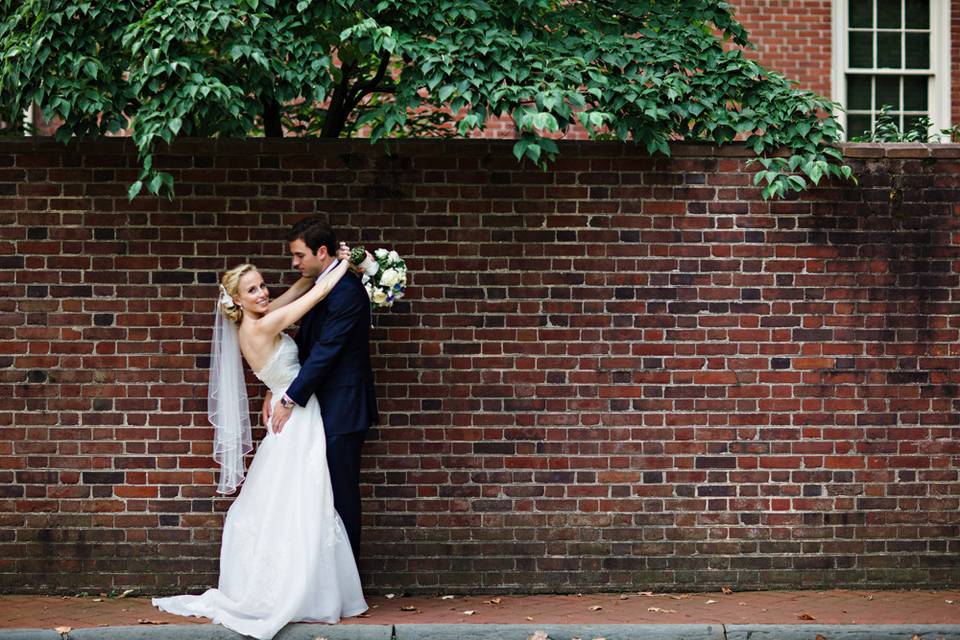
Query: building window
892,53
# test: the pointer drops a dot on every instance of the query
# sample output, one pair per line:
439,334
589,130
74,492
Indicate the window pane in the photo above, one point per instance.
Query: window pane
897,119
861,49
858,92
888,14
918,50
861,13
888,92
915,93
857,125
918,14
888,50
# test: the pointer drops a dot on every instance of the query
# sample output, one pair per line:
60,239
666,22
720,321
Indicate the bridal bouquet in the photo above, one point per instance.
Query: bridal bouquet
384,276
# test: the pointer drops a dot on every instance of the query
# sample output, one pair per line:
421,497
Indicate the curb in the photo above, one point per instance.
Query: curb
559,631
511,632
843,631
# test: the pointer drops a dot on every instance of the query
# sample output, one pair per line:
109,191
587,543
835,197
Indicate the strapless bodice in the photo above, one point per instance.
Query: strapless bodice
282,367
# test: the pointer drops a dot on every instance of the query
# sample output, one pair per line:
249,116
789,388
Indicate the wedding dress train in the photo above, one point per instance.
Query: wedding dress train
285,555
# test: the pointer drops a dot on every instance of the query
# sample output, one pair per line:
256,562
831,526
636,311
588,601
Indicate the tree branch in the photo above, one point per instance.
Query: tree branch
272,124
363,88
337,111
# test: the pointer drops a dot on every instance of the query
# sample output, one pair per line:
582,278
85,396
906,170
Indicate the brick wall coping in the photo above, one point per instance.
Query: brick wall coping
466,146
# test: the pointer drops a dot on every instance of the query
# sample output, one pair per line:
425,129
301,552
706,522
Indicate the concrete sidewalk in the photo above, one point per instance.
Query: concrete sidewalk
768,615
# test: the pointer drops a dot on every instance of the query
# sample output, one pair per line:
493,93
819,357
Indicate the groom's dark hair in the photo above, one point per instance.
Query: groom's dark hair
315,232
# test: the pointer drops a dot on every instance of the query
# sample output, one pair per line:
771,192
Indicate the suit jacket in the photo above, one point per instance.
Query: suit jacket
334,350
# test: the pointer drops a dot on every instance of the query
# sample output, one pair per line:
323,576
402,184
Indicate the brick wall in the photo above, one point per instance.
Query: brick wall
793,37
622,373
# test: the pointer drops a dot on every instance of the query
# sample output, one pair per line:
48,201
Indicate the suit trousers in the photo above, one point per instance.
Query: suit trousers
343,459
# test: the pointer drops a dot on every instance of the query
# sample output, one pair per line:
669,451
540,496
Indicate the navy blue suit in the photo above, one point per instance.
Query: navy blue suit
334,350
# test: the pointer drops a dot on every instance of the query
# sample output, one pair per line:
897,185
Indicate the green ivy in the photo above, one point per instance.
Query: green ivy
648,72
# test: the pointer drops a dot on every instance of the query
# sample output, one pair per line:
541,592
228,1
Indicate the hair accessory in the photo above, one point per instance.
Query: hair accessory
225,298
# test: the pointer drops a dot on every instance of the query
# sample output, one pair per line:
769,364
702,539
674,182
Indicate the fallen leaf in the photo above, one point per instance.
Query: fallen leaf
726,590
659,610
916,637
645,593
741,604
949,601
408,608
539,635
682,596
868,597
390,596
595,607
469,612
447,597
623,596
493,601
710,602
805,616
320,638
820,637
529,619
98,599
145,621
63,630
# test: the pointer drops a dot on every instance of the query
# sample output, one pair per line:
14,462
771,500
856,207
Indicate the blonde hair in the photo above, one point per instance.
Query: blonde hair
231,283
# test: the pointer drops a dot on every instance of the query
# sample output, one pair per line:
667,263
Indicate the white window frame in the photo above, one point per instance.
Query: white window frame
938,91
27,119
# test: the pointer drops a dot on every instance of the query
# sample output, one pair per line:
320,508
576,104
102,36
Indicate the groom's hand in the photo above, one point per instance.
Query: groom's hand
280,416
265,413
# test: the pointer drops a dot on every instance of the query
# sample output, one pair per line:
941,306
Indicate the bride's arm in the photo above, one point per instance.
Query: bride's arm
296,290
273,322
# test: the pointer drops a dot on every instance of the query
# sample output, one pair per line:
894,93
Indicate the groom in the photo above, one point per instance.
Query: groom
333,343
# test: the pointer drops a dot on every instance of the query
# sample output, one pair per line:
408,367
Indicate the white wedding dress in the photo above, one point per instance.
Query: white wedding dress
285,555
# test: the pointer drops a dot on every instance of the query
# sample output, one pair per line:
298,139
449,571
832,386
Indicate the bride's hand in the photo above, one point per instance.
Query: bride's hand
343,253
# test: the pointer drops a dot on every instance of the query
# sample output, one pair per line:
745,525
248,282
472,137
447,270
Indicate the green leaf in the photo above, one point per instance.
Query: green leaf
134,189
445,92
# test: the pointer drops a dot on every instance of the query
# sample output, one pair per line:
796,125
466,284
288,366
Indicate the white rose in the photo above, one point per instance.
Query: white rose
389,278
380,253
379,296
393,256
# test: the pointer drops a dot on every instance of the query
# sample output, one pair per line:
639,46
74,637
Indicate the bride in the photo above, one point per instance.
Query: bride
285,555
